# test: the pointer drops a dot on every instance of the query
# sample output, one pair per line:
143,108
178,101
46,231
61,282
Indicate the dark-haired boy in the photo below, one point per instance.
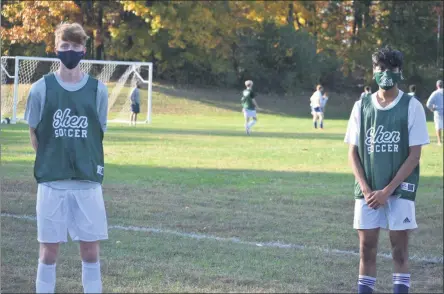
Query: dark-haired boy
385,132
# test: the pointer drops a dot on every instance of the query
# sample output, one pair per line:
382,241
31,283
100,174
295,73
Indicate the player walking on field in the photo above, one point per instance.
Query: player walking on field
367,91
249,106
386,132
67,112
436,105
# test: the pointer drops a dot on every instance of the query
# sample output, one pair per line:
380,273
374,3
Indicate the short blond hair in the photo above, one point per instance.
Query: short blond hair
72,32
248,83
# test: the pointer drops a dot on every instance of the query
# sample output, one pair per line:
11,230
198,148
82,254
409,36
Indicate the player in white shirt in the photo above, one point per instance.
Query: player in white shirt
435,104
315,105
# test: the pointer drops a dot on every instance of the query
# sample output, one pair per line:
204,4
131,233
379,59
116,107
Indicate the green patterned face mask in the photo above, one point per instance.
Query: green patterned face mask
387,79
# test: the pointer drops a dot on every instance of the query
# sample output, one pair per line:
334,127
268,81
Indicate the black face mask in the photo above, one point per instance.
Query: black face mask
70,58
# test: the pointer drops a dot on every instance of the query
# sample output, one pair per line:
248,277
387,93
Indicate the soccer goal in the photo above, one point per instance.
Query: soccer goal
19,73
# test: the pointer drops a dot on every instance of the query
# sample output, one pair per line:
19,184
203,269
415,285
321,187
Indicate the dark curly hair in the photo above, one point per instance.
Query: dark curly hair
387,58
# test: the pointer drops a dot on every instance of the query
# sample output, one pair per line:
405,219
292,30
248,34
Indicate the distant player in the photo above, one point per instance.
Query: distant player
135,103
412,91
67,112
435,104
249,106
386,132
367,91
324,100
315,105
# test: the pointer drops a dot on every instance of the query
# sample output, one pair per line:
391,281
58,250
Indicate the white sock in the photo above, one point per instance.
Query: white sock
91,277
46,278
251,124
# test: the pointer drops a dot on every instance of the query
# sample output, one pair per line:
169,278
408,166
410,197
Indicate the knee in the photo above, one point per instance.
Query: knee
48,253
368,252
89,251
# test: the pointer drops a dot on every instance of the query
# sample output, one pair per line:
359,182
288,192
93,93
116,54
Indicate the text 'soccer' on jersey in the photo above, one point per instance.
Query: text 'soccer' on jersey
66,125
379,140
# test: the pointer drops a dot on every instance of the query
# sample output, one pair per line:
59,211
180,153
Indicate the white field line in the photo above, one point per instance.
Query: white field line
434,259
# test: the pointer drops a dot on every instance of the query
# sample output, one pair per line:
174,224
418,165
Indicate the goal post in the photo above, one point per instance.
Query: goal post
20,72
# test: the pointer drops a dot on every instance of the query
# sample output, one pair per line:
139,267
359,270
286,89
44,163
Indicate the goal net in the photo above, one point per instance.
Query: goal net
19,73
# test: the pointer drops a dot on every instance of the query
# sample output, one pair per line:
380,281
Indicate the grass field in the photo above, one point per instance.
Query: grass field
222,212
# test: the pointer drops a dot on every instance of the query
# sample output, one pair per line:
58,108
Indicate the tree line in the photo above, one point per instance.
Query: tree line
284,46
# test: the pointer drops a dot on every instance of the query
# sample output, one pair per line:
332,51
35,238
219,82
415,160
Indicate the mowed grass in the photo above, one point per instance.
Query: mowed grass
194,171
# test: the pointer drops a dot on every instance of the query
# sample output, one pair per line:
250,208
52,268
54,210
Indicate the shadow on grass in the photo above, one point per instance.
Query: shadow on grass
118,133
145,174
221,133
296,106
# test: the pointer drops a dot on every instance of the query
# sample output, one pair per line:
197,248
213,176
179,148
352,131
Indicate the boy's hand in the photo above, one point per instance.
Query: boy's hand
378,198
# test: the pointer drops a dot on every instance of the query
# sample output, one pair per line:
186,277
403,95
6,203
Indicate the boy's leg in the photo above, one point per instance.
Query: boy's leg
401,275
368,245
135,118
51,230
46,270
246,118
315,119
321,120
91,276
89,225
252,122
438,119
401,219
368,222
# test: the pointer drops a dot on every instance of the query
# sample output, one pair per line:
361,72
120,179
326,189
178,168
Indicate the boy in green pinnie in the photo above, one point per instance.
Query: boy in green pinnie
386,132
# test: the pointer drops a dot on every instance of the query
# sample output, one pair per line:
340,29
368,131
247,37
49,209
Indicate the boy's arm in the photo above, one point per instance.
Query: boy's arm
358,171
406,169
431,101
33,138
255,103
352,138
33,110
102,105
380,197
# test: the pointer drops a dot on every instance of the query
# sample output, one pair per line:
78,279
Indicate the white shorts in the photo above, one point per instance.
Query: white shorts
249,113
438,118
396,215
79,212
318,111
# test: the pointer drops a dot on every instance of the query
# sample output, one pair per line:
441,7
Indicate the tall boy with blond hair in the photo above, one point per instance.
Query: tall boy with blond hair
67,112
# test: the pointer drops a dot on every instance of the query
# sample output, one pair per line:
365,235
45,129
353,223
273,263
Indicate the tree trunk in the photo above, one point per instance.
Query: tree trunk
99,33
290,16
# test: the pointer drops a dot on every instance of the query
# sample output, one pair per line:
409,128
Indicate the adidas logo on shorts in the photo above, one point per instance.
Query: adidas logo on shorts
406,220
